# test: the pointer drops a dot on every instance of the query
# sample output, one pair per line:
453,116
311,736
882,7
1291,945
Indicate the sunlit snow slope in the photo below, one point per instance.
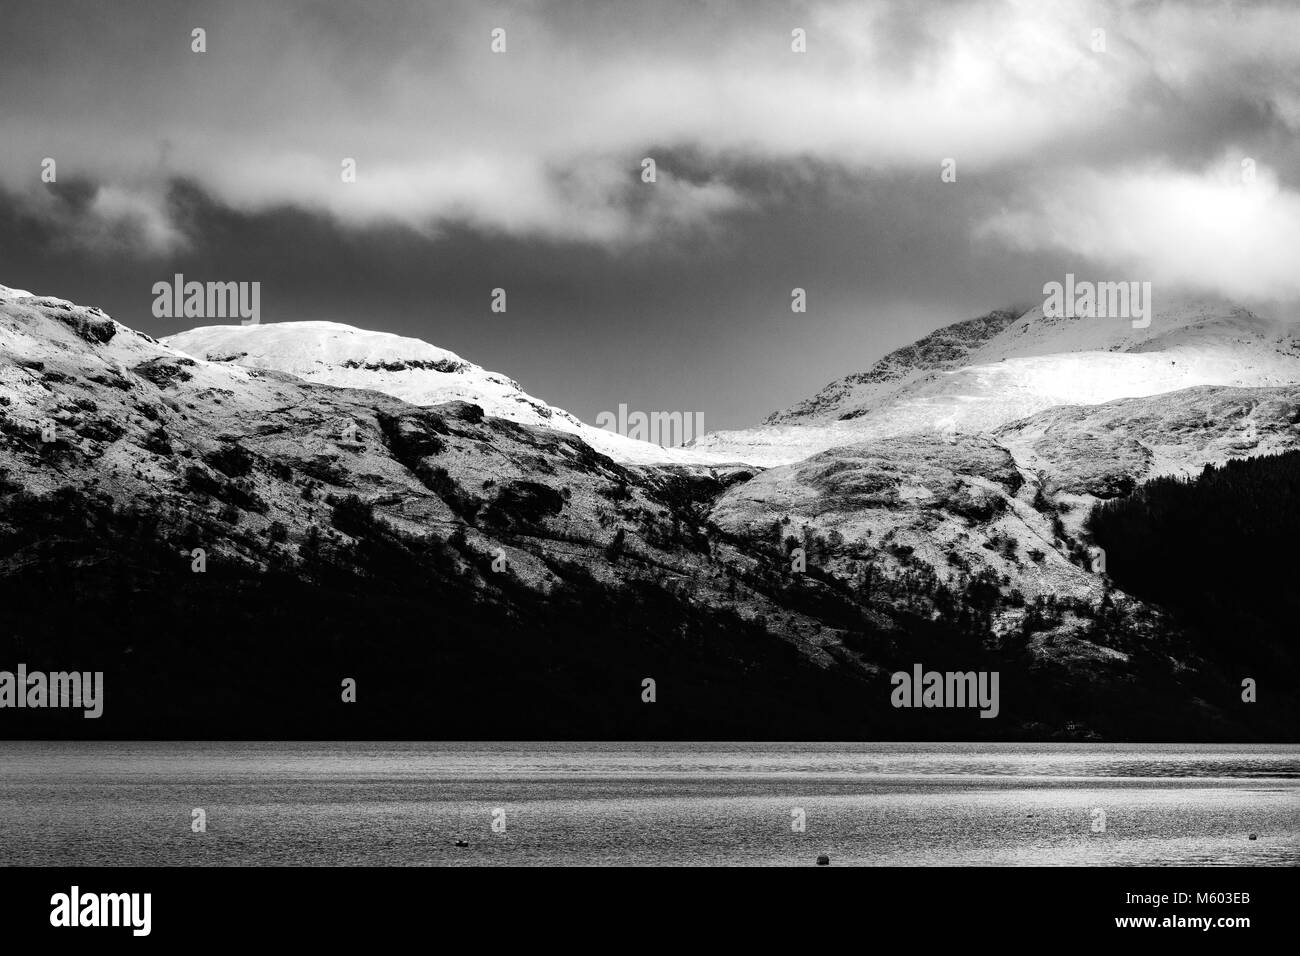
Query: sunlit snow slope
975,376
410,369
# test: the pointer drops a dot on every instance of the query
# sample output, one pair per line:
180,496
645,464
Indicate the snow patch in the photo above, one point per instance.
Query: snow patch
332,353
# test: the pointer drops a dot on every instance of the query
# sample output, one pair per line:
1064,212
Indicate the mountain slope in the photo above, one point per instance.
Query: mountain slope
944,348
1012,502
532,581
1010,369
482,577
332,353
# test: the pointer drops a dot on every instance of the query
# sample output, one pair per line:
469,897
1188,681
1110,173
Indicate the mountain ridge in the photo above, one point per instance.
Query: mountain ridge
1004,368
411,369
942,348
345,529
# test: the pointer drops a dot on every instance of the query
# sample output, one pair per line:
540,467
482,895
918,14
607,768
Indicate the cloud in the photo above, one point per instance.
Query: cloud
140,216
546,139
1229,229
598,199
77,215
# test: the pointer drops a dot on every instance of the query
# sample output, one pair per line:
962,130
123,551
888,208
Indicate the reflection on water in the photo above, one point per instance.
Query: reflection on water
346,803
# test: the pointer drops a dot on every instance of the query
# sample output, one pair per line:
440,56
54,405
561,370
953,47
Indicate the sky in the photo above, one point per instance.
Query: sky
1114,140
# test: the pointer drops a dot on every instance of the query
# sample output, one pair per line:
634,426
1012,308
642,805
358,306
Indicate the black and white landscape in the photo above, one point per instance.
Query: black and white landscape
231,521
259,484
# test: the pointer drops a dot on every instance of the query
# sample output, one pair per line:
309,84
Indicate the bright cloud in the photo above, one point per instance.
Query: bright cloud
546,139
1229,229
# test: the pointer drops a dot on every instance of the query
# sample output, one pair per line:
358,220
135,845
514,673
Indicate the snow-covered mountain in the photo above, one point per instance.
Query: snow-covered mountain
976,376
984,445
457,534
332,353
945,348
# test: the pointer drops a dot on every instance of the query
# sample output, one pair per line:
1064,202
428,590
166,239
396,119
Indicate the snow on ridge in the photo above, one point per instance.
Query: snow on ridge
332,353
1032,364
306,346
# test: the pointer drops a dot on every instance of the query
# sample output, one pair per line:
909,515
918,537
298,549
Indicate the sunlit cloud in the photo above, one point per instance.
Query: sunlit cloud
546,139
1229,229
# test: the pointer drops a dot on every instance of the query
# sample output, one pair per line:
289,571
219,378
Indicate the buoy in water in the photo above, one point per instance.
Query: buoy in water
823,860
461,843
1254,836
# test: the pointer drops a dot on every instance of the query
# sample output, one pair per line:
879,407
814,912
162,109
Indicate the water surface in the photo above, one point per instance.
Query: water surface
650,804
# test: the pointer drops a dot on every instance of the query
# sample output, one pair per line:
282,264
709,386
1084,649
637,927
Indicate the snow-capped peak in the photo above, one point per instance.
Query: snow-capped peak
413,370
975,376
307,348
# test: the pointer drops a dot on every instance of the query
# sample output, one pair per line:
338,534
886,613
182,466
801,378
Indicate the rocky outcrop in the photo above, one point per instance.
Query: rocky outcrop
944,348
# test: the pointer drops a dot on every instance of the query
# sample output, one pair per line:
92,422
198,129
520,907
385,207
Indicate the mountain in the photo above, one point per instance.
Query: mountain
228,542
979,375
981,450
1010,503
332,353
476,575
948,347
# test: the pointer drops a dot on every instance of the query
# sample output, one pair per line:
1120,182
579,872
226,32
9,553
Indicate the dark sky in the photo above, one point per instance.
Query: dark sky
775,170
